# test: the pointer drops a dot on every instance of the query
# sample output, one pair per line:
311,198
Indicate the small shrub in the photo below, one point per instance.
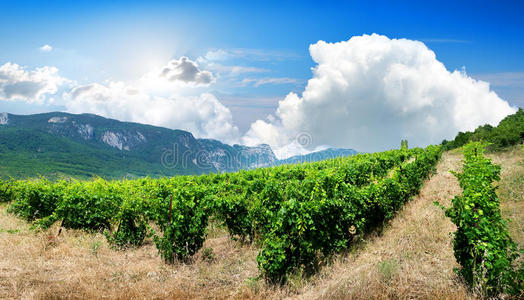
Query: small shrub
185,232
131,225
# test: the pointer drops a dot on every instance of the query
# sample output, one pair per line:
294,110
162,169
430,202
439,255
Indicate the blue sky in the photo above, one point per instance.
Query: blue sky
95,41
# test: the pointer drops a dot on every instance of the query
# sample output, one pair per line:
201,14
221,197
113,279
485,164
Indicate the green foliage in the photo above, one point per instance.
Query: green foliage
231,206
387,269
404,144
482,244
510,131
36,199
319,215
86,205
185,231
7,190
131,224
30,152
299,215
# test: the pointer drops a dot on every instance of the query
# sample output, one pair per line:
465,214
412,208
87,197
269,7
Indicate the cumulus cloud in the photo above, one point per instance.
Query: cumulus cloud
203,115
17,83
46,48
370,92
186,70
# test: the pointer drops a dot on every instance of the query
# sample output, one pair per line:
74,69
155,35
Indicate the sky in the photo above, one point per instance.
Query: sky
284,72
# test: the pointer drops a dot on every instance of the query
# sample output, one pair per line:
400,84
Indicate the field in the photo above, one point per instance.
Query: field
409,256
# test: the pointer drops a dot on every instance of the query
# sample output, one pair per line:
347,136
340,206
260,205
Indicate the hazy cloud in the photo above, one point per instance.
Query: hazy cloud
510,85
235,70
46,48
515,79
445,40
250,54
270,80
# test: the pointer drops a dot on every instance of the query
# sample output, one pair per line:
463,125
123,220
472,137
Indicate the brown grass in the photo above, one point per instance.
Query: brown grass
411,258
511,189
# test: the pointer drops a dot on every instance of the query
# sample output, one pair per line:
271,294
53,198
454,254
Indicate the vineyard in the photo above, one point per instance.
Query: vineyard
298,215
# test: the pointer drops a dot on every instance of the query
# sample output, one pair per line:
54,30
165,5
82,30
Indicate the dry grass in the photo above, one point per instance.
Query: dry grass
411,258
77,265
511,189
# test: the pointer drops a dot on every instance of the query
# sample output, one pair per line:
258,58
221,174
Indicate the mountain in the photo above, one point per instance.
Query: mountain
85,145
317,156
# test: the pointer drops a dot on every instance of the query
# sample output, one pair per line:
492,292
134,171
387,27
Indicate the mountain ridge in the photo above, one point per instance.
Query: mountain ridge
84,145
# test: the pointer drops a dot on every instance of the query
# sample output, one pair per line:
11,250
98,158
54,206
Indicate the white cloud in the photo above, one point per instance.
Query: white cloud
46,48
17,83
370,92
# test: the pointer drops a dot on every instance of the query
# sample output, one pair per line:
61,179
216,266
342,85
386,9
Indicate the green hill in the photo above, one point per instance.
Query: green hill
510,131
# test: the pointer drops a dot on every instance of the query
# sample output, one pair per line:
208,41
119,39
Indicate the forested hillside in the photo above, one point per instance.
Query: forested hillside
510,131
